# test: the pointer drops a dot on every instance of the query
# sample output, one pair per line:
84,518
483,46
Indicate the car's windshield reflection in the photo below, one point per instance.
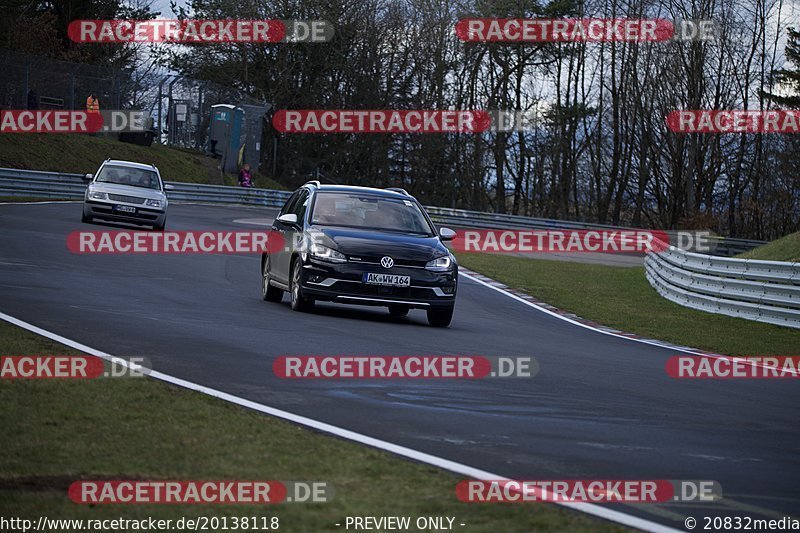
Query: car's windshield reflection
129,176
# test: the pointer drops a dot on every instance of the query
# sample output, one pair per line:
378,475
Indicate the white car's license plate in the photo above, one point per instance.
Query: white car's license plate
124,209
392,280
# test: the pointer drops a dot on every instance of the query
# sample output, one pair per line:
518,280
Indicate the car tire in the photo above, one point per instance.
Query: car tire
269,292
398,311
299,302
160,227
86,219
440,318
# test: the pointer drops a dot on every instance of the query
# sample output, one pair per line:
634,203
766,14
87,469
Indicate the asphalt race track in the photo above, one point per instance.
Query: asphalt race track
600,407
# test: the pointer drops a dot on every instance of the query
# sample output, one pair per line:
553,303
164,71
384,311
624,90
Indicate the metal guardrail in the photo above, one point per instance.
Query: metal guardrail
36,184
480,219
764,291
725,246
31,183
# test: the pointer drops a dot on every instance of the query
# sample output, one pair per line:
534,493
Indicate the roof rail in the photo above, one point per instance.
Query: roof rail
398,189
313,183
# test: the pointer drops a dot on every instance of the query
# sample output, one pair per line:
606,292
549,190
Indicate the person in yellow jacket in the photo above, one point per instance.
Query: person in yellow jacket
92,104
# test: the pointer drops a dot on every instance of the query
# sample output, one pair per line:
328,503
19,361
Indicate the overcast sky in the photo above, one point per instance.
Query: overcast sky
163,7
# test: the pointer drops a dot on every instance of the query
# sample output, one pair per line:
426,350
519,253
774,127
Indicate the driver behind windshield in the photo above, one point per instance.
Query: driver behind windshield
133,178
369,212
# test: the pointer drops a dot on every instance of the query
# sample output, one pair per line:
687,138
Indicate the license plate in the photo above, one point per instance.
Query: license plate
391,280
124,209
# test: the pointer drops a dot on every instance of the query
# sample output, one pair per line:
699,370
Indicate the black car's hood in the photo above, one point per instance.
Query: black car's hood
370,243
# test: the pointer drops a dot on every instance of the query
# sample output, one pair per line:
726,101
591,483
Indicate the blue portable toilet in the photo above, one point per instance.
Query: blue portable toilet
225,134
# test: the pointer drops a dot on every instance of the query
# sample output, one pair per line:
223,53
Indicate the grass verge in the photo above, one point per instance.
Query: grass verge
784,249
55,432
82,154
621,297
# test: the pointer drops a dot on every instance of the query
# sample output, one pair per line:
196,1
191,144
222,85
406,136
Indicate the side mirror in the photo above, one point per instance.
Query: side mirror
288,218
88,177
168,187
446,234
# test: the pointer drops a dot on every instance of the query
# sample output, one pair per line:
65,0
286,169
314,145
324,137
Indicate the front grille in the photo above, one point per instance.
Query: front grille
360,289
376,260
124,198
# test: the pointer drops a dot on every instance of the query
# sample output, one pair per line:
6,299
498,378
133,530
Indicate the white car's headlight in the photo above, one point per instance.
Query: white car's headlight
323,253
440,264
154,203
98,196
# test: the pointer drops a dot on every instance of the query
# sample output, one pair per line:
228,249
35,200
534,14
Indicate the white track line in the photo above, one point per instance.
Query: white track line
458,468
693,351
595,510
581,324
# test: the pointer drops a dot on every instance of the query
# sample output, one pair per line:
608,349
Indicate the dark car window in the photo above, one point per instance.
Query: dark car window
290,203
369,211
301,205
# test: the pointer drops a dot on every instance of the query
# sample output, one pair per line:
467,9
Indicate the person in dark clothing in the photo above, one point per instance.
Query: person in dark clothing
33,100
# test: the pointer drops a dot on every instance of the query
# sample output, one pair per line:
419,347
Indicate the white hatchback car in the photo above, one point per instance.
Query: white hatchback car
124,191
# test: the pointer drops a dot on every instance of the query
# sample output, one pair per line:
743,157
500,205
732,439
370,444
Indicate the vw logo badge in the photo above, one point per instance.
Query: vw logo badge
387,262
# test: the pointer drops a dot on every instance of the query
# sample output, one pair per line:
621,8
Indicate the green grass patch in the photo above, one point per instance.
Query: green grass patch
55,432
82,154
621,297
784,249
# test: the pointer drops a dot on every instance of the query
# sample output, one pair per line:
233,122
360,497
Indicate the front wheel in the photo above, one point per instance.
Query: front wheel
86,219
160,227
299,302
269,292
440,318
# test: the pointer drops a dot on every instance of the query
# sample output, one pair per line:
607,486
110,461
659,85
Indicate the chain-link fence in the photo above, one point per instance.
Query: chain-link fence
180,107
36,82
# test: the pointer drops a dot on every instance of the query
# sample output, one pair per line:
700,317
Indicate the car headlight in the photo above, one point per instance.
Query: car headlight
440,264
153,203
323,253
98,196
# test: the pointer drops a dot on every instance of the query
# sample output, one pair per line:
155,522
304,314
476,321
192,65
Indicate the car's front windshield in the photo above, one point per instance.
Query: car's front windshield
369,212
134,177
